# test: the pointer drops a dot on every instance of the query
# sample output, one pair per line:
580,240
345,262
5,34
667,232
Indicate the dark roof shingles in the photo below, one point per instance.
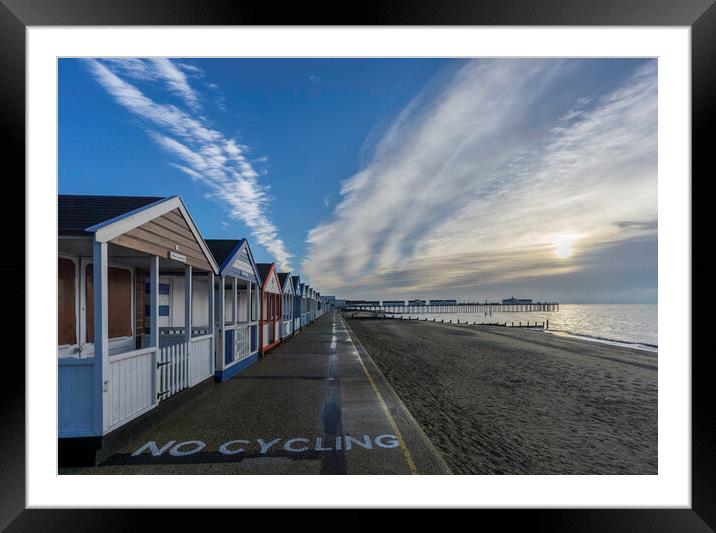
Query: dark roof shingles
263,269
76,213
221,248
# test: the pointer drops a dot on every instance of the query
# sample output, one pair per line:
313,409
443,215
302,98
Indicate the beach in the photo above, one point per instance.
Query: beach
498,400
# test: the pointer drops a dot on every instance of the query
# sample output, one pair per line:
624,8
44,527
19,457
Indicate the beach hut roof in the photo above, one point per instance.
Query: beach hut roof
263,270
125,220
234,258
76,213
223,249
269,279
286,282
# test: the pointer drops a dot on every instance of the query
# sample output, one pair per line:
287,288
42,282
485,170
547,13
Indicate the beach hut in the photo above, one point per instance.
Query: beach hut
237,307
270,307
309,296
287,294
313,304
125,342
304,305
296,303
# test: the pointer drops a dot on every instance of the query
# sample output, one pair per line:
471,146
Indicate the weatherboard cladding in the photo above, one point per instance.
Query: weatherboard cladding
76,213
169,232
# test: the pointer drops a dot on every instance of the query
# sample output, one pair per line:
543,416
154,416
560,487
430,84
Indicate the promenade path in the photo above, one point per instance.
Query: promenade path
316,404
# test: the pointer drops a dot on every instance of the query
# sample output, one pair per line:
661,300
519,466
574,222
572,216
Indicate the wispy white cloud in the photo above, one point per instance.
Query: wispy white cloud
474,183
176,81
159,69
207,156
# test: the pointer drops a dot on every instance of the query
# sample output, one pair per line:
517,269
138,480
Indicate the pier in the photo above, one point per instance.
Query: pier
456,307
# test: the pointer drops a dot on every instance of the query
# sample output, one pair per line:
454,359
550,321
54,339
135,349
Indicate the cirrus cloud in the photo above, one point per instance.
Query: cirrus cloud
475,180
207,156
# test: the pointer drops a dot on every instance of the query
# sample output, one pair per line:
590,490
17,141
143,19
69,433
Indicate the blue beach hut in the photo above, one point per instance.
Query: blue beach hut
237,306
296,303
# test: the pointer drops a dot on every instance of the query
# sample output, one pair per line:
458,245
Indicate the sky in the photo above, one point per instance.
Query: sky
389,178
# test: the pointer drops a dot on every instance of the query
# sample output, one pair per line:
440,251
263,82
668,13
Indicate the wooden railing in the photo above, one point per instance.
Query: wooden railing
173,368
183,365
130,386
243,341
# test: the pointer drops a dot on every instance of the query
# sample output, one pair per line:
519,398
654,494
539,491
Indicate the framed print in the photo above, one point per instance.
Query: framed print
441,253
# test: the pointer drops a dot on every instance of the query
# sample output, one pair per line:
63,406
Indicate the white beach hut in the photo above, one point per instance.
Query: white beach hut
296,280
125,341
287,296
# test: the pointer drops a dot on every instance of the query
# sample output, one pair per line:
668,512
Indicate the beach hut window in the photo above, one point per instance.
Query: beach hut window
228,302
119,302
199,302
243,303
66,297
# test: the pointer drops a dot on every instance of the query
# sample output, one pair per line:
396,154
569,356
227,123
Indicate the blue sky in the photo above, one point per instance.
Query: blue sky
389,177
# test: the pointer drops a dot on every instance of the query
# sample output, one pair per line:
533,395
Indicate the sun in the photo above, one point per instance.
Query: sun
563,245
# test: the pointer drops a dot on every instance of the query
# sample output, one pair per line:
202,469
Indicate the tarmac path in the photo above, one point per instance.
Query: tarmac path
316,404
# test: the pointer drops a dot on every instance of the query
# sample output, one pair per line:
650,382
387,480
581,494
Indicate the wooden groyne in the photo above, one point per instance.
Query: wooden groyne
377,315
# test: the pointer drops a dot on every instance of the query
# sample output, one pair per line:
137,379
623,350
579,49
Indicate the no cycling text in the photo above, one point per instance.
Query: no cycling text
297,445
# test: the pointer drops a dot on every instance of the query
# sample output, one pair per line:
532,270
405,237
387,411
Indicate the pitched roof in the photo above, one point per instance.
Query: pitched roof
75,213
282,277
263,269
222,249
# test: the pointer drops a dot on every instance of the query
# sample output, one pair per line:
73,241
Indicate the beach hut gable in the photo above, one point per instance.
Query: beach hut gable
272,284
239,263
164,229
287,287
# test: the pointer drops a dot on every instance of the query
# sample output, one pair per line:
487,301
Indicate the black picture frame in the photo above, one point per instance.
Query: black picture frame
700,15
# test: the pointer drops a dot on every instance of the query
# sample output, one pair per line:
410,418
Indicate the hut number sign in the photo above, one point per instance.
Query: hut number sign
177,256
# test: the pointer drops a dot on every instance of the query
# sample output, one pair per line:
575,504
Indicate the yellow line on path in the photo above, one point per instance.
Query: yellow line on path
391,420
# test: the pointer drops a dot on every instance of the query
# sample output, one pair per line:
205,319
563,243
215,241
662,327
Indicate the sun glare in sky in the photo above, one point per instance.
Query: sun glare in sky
563,246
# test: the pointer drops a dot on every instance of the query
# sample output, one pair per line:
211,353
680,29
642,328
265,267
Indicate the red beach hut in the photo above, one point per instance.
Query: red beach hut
270,317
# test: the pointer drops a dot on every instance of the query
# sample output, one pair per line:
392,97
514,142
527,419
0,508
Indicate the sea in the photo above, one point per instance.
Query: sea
631,325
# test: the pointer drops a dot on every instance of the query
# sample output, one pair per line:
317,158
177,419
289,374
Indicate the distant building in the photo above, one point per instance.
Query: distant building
519,301
362,303
416,302
443,302
393,302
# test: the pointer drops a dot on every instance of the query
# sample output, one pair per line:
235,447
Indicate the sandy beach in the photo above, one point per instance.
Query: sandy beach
518,401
